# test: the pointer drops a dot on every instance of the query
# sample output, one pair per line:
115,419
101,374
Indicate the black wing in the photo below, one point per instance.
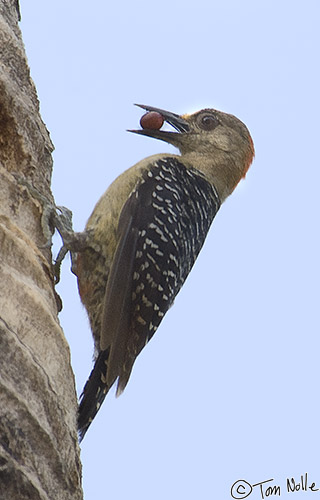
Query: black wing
163,226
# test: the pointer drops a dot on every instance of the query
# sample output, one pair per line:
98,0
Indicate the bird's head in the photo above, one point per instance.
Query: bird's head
207,137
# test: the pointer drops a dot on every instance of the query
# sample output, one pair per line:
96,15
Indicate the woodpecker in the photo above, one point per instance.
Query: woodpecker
144,236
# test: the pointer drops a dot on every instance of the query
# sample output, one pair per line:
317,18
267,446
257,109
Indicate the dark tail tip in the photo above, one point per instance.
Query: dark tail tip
93,394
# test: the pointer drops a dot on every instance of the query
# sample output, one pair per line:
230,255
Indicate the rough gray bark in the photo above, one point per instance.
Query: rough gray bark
39,453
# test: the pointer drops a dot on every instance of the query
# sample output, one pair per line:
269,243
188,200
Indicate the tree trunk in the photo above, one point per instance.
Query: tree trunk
39,453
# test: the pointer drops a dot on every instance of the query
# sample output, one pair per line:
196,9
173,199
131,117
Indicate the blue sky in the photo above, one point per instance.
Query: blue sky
228,388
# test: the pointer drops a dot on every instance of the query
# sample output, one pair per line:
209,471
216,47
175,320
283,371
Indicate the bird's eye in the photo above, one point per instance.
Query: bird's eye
208,122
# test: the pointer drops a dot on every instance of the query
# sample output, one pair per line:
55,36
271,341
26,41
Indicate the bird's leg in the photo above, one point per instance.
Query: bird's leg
73,242
56,218
62,221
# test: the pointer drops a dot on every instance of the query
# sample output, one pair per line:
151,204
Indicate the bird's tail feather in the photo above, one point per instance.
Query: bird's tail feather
93,393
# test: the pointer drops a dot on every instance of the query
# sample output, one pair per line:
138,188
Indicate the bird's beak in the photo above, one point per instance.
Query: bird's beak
176,121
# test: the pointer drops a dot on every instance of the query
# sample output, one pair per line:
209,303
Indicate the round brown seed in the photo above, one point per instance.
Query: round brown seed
152,120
